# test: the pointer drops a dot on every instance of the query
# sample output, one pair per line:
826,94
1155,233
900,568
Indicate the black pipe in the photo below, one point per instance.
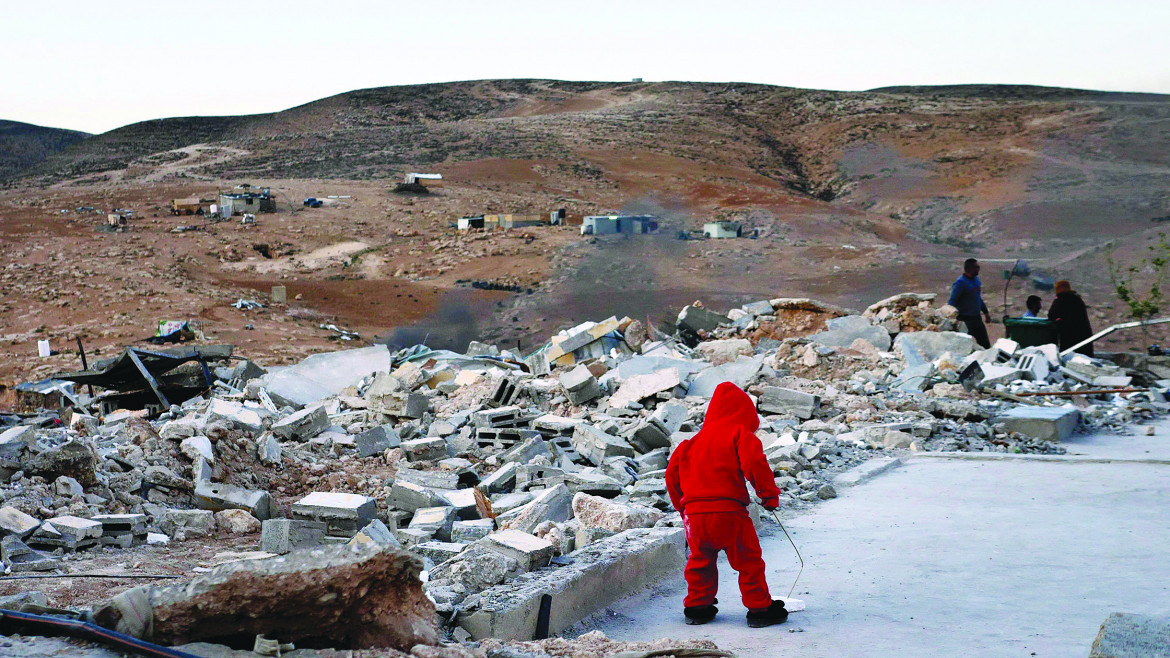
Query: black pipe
28,624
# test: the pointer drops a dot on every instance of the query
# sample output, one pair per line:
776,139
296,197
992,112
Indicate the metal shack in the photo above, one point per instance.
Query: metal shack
189,206
613,224
238,203
722,230
466,223
426,180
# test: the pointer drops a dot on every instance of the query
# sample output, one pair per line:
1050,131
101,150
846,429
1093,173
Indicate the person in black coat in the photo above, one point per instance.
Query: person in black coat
1072,318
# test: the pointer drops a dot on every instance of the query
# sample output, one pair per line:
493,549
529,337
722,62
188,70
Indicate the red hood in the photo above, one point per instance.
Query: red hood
730,406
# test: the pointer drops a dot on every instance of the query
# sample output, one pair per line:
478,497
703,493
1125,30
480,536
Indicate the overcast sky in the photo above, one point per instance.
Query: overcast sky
95,66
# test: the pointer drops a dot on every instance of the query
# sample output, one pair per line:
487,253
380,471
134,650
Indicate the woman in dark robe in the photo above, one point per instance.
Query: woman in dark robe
1072,318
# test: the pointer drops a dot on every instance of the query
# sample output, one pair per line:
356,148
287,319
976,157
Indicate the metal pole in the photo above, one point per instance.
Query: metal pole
793,588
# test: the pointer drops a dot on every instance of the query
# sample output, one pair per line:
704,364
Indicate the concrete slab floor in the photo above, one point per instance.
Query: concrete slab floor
954,557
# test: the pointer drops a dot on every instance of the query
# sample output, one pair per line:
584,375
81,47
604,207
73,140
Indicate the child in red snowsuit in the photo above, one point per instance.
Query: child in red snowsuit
705,479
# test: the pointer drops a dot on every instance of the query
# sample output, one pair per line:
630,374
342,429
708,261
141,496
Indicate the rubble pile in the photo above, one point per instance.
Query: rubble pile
503,476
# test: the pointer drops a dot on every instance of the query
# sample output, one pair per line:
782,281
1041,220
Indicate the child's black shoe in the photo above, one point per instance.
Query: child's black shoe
700,614
773,614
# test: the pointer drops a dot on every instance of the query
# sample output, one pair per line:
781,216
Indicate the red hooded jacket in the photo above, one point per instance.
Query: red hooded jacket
706,472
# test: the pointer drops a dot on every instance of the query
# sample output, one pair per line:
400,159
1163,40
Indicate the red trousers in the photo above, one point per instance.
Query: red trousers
711,532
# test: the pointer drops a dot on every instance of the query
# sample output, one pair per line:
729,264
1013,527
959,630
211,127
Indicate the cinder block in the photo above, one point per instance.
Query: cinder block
600,574
1045,423
596,446
281,536
580,385
376,441
504,479
302,425
436,521
530,551
411,496
425,449
474,530
216,496
16,522
342,513
776,400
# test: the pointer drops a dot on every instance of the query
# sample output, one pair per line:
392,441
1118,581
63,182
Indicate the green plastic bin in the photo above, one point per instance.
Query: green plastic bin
1029,332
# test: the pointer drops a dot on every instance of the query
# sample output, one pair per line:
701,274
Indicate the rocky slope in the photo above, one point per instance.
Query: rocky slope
23,145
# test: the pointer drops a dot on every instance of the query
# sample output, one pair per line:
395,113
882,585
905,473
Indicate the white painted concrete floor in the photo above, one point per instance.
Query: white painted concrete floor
950,557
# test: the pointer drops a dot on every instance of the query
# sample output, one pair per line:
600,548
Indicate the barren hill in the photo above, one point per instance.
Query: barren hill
855,196
23,145
951,164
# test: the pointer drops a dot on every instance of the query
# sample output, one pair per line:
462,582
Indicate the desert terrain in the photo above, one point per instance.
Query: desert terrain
853,196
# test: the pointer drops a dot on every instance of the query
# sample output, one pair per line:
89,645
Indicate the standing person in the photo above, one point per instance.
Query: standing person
1071,315
705,480
967,297
1033,304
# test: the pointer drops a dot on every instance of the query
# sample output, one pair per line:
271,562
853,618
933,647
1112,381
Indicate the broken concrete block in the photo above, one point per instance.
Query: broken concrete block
504,479
596,512
439,551
280,536
529,551
776,400
123,530
344,514
177,430
469,531
1125,635
580,385
463,500
596,446
268,450
738,372
1044,423
18,557
553,504
424,449
216,496
235,414
525,452
594,483
16,522
435,521
75,458
14,445
411,537
236,522
389,395
897,440
1006,346
648,435
503,417
411,496
347,596
655,460
600,573
693,319
377,440
997,374
184,523
377,533
919,347
844,330
302,425
324,375
640,387
194,447
723,351
68,532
